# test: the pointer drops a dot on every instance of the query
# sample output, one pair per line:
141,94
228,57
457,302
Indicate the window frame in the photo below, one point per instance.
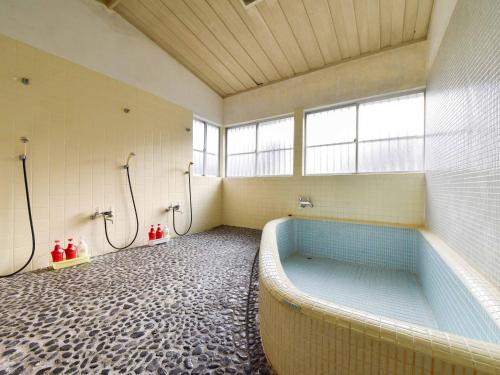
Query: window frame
204,151
356,142
256,152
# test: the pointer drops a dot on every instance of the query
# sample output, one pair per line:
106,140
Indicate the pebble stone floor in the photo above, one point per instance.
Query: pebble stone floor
178,308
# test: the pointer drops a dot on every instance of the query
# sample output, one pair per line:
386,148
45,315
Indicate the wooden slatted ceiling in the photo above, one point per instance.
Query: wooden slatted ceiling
233,48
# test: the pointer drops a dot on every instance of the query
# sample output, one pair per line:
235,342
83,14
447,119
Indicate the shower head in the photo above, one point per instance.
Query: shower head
189,167
25,141
130,156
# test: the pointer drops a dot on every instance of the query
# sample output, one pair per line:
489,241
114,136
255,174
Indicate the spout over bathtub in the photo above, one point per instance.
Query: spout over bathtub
304,203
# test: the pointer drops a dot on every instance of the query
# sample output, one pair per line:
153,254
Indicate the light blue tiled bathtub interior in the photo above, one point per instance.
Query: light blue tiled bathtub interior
386,271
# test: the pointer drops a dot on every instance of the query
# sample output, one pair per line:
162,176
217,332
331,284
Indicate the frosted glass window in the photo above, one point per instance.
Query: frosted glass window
391,134
198,146
205,149
261,149
331,141
377,136
241,149
275,147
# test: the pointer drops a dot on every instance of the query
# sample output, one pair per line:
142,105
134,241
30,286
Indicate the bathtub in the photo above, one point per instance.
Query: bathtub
354,298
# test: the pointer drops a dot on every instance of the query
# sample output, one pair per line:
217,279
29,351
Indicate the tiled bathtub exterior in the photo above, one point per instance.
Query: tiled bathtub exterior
306,335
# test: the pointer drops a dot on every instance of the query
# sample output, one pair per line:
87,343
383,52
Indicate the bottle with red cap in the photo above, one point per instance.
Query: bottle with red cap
152,233
159,232
71,251
58,252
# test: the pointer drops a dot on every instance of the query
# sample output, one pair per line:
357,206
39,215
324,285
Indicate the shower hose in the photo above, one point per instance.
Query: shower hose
23,159
136,218
190,208
247,312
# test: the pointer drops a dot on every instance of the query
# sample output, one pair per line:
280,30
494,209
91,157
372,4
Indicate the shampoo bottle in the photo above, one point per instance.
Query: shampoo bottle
57,253
83,248
159,232
152,233
70,251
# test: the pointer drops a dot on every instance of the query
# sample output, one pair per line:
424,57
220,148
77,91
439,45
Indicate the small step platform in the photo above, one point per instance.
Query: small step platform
158,241
70,262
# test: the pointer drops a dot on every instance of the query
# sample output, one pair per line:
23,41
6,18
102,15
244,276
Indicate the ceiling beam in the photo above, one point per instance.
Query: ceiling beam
112,3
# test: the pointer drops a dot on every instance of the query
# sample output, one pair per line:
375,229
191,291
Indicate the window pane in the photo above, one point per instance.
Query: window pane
330,141
212,151
241,165
394,155
275,134
212,165
198,162
331,159
275,163
391,134
198,146
275,147
402,116
241,139
331,126
212,139
198,135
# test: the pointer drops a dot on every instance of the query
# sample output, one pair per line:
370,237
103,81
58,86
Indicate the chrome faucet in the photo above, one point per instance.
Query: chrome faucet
304,202
108,215
175,207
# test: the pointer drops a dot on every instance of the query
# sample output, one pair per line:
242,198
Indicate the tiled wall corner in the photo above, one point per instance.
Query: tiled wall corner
463,137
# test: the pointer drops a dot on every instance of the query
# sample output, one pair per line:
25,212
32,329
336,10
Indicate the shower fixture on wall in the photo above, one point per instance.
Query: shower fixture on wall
23,157
108,215
176,208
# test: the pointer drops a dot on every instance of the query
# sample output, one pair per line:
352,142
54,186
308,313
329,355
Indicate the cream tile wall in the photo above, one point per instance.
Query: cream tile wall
463,137
80,137
394,198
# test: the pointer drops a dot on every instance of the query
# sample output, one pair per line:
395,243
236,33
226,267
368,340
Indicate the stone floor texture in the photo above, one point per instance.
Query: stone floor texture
178,308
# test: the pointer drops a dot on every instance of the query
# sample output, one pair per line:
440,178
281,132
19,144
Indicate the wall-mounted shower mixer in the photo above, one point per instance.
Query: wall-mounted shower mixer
108,215
176,207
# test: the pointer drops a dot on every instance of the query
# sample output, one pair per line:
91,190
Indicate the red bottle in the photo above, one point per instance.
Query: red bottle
57,253
159,232
152,233
71,251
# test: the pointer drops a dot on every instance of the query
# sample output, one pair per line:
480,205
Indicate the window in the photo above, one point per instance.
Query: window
331,141
205,149
377,136
391,134
261,149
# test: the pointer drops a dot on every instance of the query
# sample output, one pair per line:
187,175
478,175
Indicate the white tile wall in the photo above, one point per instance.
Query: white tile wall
394,198
463,136
80,137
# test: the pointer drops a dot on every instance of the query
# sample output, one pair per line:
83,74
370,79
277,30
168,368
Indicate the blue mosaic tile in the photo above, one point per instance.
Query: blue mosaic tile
393,272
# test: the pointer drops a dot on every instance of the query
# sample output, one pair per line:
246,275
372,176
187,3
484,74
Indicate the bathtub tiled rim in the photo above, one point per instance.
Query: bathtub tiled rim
298,330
